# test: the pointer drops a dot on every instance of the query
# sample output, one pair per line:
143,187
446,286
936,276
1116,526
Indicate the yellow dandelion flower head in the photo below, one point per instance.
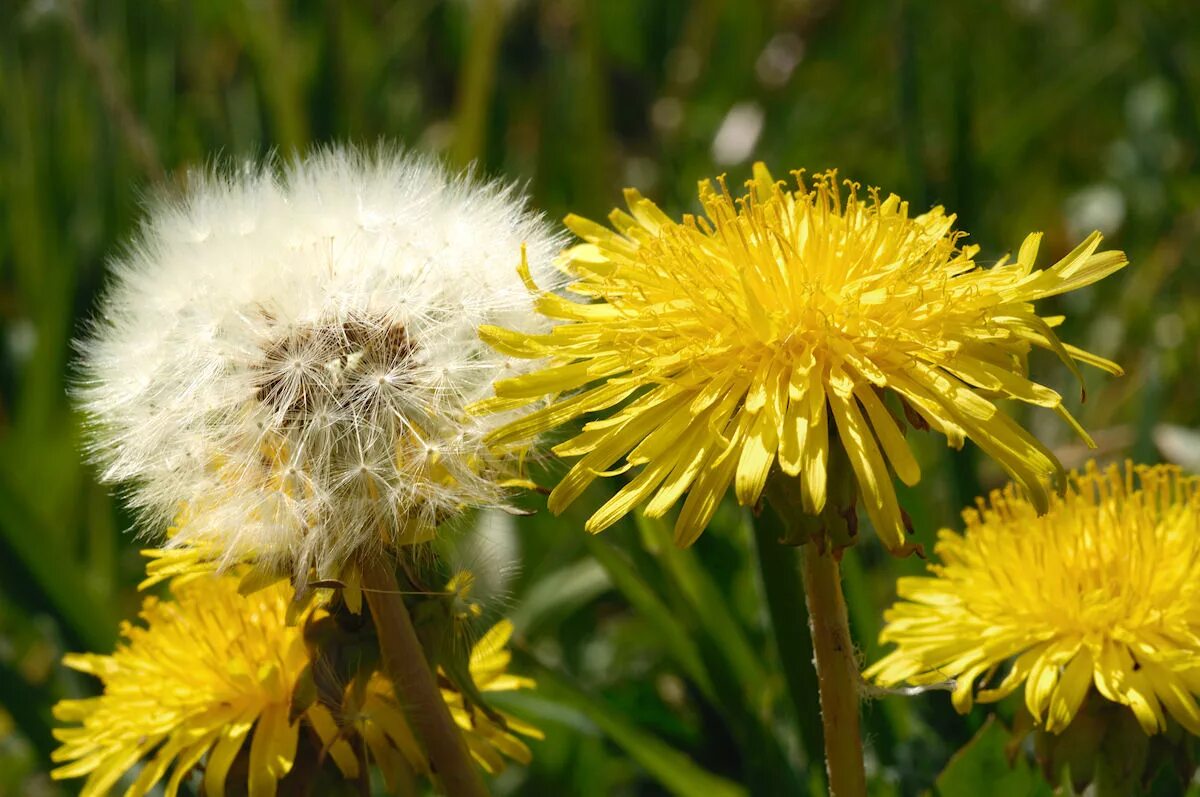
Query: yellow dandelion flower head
754,333
209,679
1102,590
207,673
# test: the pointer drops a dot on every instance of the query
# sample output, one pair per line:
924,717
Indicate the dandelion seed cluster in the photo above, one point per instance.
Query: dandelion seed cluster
281,366
1102,591
209,677
774,326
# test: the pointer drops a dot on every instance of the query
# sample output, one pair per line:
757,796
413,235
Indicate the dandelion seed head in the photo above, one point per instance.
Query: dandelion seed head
281,363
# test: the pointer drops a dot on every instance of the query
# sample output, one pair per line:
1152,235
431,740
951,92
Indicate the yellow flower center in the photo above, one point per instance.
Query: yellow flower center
782,274
1112,562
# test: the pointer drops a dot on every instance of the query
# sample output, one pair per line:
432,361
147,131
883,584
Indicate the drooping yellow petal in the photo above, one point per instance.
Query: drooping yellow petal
1176,697
757,457
710,486
890,436
154,770
815,456
187,761
272,750
560,412
335,747
689,466
221,758
878,496
615,444
632,493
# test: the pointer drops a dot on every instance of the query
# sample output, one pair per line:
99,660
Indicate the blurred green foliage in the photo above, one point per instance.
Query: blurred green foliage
659,670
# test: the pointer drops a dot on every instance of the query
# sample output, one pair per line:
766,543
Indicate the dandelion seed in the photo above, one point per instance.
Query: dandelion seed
1102,591
281,366
777,325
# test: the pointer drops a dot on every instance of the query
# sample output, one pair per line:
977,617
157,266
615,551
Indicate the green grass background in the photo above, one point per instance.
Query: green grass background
659,673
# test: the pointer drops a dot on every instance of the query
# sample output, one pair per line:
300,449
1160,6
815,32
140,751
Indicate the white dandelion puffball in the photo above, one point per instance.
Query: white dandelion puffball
281,366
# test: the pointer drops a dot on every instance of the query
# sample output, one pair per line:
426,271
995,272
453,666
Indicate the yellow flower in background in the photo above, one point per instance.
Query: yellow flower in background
774,326
1102,590
489,736
210,677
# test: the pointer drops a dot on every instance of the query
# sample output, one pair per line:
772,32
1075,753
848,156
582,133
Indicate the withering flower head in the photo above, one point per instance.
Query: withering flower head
774,326
281,365
1102,592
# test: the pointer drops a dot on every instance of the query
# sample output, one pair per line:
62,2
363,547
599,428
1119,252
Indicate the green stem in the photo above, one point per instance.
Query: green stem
777,566
416,688
837,673
478,76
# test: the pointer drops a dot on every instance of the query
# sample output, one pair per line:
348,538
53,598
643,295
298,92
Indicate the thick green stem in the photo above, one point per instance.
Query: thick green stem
416,688
777,564
837,673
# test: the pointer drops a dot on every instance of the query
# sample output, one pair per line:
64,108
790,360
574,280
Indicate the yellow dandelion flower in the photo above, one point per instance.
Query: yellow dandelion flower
1102,590
208,673
214,671
756,333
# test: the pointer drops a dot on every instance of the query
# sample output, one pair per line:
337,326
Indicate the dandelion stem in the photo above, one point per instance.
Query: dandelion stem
837,672
416,687
821,538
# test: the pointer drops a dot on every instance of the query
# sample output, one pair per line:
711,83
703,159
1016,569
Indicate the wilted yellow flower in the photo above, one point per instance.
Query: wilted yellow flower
1104,589
489,736
213,671
738,333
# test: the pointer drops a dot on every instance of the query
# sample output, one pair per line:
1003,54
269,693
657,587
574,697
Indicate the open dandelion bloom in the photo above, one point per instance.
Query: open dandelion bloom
210,680
1102,590
209,674
775,326
282,363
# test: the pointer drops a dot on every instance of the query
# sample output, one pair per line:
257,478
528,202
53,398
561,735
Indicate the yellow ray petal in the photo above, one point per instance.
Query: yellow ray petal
874,480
